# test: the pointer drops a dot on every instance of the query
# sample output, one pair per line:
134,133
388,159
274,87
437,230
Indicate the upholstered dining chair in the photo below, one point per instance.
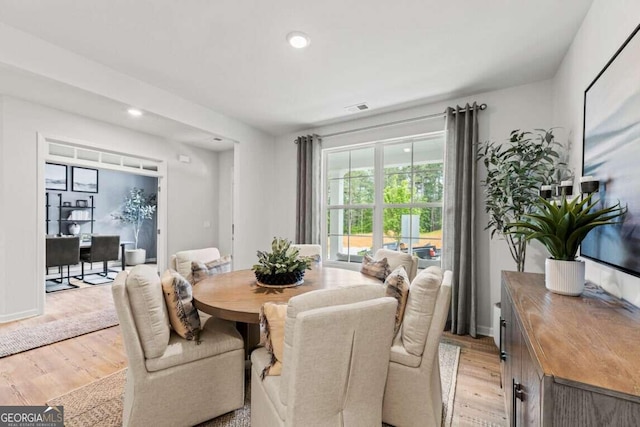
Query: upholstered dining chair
413,393
307,249
172,381
60,252
335,362
181,261
397,258
103,249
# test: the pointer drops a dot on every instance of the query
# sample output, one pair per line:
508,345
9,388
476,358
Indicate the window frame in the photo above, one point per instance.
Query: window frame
378,206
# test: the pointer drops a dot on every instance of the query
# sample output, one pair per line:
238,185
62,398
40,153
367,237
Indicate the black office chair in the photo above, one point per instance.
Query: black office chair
103,249
61,251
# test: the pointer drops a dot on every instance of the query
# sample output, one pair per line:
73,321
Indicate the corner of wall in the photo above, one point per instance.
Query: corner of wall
3,282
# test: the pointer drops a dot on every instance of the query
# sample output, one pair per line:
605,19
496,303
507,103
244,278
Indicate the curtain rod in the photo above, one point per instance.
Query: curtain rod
397,122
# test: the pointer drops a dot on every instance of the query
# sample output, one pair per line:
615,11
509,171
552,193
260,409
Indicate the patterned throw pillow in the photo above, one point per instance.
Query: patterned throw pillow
202,270
375,268
397,286
178,296
272,318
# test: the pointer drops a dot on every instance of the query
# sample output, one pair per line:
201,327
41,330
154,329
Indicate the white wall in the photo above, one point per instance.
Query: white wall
522,107
225,201
192,193
606,26
3,207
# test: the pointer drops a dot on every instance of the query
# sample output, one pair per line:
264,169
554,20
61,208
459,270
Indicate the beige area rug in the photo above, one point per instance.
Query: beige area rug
30,337
99,404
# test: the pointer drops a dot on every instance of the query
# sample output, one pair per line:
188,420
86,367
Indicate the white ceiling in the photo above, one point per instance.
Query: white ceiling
232,57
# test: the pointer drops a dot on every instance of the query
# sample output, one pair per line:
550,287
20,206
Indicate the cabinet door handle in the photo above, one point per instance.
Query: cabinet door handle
514,406
517,393
503,326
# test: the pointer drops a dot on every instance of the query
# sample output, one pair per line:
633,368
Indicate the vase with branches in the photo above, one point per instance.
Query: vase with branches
136,209
515,172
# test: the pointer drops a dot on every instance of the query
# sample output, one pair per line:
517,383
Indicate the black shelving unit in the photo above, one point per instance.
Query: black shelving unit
47,206
67,209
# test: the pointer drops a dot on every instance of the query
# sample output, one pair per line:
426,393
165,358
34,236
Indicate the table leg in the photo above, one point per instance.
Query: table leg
122,260
251,335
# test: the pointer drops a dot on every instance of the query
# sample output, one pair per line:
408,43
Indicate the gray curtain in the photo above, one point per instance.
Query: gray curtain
308,190
459,217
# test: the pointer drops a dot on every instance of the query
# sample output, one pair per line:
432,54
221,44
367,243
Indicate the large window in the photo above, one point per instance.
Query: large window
385,194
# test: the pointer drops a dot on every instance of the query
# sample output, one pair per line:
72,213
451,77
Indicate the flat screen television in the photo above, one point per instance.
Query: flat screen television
611,154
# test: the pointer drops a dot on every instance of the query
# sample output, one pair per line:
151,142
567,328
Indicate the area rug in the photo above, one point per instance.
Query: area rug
100,403
31,337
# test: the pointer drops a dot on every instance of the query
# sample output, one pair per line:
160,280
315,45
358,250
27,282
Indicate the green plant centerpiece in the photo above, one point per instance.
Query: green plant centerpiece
516,170
282,267
561,227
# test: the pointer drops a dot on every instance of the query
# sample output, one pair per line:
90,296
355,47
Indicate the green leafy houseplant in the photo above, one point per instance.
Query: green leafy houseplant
281,266
562,227
137,208
515,172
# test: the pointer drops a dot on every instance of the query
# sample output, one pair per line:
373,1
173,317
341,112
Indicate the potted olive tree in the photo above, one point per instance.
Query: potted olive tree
516,170
561,228
136,209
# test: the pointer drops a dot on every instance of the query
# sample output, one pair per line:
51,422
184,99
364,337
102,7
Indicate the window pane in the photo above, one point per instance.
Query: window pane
428,183
337,164
361,188
337,221
428,150
395,224
336,191
428,244
397,156
362,160
397,188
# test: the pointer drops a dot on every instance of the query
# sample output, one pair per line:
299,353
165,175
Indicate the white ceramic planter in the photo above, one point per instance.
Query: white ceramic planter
135,256
564,277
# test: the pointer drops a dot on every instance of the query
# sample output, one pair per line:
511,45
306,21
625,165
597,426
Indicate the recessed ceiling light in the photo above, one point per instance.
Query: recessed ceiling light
406,150
134,112
298,39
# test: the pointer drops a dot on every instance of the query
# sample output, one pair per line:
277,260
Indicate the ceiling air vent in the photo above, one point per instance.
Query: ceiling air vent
357,108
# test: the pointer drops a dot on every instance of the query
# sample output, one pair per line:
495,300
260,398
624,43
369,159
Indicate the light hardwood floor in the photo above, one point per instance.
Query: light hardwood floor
35,376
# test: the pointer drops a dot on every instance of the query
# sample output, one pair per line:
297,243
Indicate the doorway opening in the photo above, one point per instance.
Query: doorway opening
85,194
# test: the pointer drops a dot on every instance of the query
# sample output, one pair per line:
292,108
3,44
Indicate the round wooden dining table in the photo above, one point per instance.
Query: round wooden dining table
236,296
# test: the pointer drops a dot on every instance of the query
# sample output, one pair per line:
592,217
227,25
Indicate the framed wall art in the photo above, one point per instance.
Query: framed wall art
84,180
55,177
611,155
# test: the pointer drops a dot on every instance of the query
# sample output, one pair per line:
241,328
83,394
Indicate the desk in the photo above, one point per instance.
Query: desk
86,246
235,295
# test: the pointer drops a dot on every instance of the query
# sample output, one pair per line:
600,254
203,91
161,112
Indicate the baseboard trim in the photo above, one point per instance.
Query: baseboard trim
4,318
485,330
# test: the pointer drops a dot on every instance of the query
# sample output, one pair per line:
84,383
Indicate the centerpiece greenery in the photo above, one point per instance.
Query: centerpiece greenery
515,172
281,267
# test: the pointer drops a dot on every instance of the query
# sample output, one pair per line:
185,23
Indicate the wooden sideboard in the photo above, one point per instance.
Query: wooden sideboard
568,361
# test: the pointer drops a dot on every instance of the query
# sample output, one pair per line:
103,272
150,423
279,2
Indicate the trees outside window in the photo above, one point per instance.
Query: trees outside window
386,194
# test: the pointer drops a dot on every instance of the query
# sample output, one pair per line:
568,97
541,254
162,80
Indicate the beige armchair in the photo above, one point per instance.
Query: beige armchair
172,381
309,250
396,259
336,356
181,261
413,393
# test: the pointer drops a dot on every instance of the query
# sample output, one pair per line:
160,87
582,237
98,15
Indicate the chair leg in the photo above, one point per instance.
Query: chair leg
82,269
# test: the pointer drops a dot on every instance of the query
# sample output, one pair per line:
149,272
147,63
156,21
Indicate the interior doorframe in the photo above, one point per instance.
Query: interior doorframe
43,157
